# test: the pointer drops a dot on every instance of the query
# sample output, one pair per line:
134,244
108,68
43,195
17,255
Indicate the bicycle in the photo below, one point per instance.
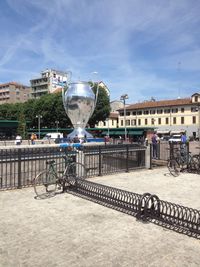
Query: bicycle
58,176
178,161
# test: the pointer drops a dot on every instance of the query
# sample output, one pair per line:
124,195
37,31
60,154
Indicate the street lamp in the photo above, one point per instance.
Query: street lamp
124,97
56,122
39,118
108,127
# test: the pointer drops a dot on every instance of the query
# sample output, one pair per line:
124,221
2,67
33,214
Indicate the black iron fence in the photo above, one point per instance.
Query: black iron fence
20,165
165,148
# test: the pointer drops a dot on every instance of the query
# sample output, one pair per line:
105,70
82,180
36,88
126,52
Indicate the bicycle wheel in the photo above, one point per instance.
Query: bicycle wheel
173,167
195,163
45,184
75,171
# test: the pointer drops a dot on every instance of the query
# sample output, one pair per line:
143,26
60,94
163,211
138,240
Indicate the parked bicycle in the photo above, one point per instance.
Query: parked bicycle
179,160
57,176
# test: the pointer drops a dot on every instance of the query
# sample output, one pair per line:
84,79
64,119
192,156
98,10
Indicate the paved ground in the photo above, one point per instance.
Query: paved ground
70,231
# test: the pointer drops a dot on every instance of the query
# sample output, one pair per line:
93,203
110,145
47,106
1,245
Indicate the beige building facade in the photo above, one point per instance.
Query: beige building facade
13,92
167,117
50,81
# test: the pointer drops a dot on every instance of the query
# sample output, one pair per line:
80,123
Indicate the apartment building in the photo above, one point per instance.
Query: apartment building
13,92
50,81
166,116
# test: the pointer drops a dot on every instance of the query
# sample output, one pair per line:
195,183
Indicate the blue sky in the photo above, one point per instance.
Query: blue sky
140,47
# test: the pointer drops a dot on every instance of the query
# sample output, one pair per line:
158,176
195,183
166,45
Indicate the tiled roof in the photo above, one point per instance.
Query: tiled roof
113,115
12,83
162,103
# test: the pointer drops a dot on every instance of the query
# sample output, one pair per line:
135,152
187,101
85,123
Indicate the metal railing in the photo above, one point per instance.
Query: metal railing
20,165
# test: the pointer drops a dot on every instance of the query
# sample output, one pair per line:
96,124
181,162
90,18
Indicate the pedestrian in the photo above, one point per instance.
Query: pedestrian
154,140
183,143
18,140
33,138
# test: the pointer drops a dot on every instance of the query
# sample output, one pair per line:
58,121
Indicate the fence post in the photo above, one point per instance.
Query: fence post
19,168
150,156
158,150
127,157
100,161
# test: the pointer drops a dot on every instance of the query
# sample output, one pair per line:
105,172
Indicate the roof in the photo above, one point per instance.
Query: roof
12,83
162,103
113,115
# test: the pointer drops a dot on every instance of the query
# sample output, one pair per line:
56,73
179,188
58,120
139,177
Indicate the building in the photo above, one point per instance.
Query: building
166,116
50,81
13,92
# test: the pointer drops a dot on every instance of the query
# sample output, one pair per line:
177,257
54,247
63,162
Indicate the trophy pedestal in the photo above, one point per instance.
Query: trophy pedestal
80,133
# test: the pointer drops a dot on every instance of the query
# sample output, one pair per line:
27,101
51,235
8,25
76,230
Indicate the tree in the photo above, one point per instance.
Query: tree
21,130
50,107
102,109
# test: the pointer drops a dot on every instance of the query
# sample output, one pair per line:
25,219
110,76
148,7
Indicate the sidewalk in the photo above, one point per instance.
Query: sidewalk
69,231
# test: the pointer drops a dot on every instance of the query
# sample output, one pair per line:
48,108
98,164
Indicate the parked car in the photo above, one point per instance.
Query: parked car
53,136
176,138
165,138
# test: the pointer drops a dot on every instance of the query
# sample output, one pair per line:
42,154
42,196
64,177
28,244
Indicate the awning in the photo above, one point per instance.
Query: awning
132,132
163,132
177,132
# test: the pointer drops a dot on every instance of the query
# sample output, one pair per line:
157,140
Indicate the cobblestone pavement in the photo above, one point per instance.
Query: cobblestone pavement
69,231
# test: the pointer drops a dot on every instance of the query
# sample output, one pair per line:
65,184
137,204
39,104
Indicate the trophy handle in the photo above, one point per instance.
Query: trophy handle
69,74
97,92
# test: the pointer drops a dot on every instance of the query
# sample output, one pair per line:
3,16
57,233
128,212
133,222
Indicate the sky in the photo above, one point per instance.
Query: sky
141,48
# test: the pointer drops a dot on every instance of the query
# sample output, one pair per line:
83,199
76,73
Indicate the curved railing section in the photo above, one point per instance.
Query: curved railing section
146,207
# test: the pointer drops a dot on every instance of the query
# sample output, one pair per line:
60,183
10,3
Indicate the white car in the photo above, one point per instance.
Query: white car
175,138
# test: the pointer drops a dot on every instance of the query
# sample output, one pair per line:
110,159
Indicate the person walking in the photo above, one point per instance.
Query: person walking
33,138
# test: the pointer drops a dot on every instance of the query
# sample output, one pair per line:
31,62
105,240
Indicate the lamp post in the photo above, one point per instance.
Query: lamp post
56,122
39,118
123,98
108,127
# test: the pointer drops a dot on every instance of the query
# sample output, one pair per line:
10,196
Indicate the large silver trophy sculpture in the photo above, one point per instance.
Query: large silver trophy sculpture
79,102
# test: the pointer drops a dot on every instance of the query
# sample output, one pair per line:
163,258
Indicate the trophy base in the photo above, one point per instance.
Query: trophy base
80,133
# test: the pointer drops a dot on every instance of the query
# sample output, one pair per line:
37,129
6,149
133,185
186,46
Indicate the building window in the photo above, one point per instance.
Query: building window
128,113
167,120
194,109
166,111
159,111
139,121
139,112
194,119
175,110
146,121
196,98
152,121
112,122
159,120
152,111
182,120
127,122
146,112
174,120
122,122
133,122
182,110
134,112
104,123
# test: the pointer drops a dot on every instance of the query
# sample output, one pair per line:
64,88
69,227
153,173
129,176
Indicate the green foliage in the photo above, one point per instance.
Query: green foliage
21,130
50,107
102,109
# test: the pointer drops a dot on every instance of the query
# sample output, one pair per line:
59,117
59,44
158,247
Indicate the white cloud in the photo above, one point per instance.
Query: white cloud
134,45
